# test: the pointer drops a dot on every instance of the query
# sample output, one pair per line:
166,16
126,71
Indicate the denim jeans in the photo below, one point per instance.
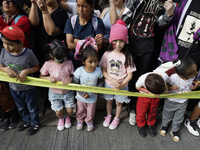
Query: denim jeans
26,102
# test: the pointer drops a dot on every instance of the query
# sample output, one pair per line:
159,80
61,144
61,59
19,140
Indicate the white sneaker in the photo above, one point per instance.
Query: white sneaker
191,129
198,122
132,119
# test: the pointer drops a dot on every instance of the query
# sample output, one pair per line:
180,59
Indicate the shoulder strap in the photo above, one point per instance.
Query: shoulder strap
73,20
17,18
94,22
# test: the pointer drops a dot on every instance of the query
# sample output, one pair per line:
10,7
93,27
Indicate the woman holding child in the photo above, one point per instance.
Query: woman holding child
85,24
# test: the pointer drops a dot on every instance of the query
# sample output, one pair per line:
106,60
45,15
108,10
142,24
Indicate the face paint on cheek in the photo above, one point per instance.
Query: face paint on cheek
113,45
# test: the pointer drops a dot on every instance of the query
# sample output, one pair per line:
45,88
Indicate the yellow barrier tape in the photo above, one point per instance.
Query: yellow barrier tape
77,87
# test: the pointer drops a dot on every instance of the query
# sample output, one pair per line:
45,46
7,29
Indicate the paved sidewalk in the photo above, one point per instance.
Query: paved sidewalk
125,137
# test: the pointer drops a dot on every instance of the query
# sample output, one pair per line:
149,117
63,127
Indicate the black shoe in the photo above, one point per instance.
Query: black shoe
13,122
23,126
142,131
152,131
33,129
5,124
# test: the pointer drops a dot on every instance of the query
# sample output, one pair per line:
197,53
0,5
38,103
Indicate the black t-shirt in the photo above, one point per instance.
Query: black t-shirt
141,33
189,25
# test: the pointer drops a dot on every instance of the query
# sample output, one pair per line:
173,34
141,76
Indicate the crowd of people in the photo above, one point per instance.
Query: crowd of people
114,44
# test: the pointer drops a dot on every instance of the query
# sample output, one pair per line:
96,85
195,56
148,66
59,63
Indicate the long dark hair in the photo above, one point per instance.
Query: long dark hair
129,59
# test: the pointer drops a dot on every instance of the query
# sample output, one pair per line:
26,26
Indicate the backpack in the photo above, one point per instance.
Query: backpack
94,21
31,40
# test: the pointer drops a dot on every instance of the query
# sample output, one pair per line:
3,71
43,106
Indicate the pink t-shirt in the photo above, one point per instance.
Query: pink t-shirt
59,71
114,63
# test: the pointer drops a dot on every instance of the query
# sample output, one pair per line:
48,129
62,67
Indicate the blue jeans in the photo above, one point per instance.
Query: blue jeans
26,102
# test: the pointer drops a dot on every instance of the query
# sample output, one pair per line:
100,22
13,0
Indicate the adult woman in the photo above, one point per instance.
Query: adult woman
14,15
83,27
50,20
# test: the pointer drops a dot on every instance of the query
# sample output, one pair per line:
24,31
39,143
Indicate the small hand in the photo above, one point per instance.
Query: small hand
67,81
86,95
195,85
115,83
11,73
169,6
52,79
174,87
22,76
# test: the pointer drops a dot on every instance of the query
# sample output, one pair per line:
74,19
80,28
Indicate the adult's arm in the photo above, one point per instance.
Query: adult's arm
169,7
34,16
70,41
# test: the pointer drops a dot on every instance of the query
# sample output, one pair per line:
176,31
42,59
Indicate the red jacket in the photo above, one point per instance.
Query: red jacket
22,23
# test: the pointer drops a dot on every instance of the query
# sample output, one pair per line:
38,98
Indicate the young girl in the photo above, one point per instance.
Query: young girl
117,69
174,108
59,68
88,74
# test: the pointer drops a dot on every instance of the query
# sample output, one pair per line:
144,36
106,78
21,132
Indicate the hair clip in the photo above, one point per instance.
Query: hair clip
178,63
49,44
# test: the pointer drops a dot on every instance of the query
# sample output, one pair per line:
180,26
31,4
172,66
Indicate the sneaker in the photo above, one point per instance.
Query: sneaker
163,130
198,122
90,127
23,126
33,129
106,122
13,122
5,124
114,124
152,131
132,119
79,126
191,128
61,124
175,136
68,123
142,131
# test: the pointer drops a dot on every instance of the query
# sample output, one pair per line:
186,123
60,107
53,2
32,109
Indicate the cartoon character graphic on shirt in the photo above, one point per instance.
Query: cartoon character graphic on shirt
16,68
115,66
59,75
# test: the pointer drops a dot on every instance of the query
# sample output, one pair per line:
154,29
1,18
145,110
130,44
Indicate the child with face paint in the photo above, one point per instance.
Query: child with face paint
117,67
59,68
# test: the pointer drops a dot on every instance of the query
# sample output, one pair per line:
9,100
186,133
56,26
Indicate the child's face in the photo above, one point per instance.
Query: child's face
118,45
90,64
12,47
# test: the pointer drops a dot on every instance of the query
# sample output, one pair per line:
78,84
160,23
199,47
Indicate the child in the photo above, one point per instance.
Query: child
58,68
174,108
117,69
91,75
149,83
18,62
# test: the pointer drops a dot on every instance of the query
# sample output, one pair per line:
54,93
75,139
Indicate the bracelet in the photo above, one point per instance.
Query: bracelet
29,70
45,12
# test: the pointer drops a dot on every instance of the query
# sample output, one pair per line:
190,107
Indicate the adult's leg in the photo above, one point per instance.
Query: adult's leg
142,63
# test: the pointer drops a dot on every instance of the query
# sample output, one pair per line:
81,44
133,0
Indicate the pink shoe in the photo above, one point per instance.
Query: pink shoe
114,124
106,122
61,124
68,123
